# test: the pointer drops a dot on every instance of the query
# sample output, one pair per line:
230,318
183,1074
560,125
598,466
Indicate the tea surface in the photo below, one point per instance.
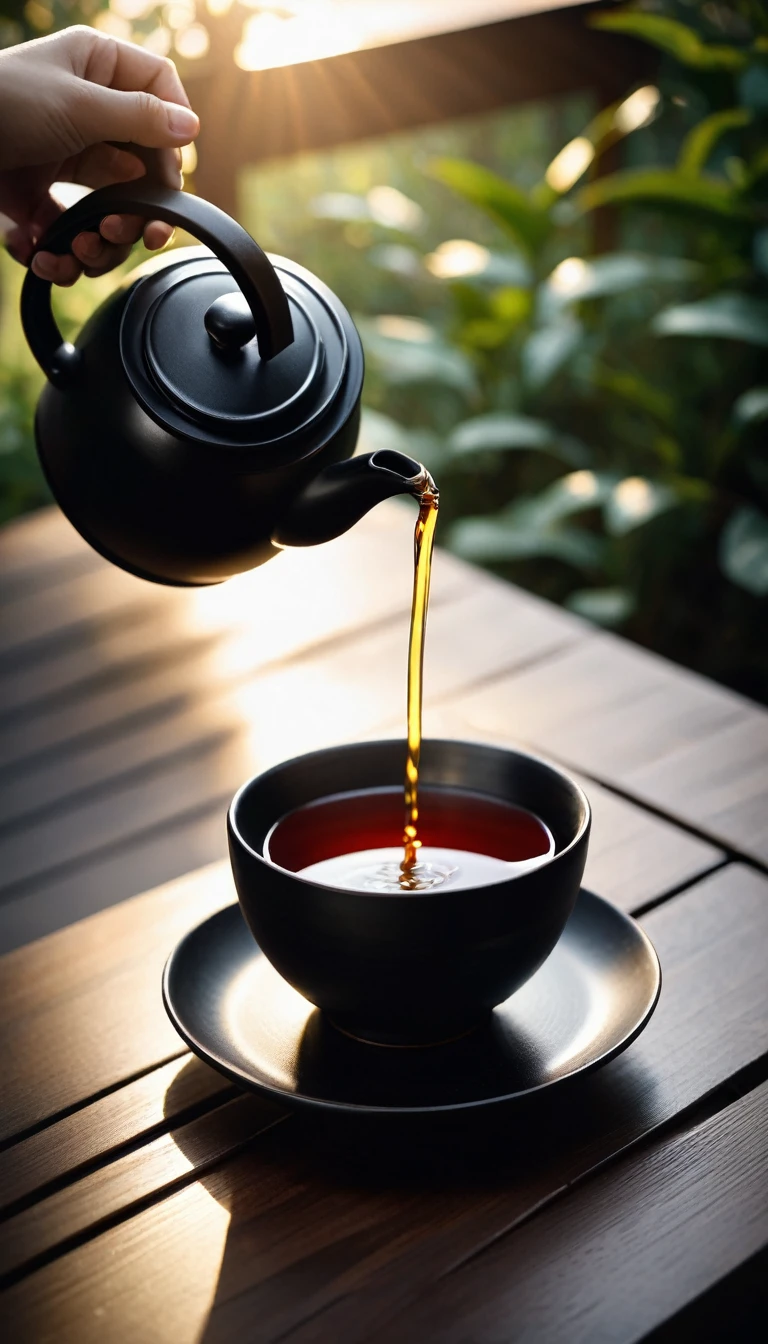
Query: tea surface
467,840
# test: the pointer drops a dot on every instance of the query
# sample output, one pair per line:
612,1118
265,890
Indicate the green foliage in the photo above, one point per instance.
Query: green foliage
744,550
701,139
610,451
670,188
674,38
731,317
525,222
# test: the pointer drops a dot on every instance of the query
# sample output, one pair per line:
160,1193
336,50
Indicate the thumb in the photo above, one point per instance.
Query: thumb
141,117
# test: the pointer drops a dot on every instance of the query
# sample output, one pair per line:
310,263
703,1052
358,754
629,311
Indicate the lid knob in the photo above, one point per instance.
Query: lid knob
229,322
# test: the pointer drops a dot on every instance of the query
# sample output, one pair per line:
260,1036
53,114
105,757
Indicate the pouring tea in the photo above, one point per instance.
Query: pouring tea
206,417
207,413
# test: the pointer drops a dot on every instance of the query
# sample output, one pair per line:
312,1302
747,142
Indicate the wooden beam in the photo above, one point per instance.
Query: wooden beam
249,117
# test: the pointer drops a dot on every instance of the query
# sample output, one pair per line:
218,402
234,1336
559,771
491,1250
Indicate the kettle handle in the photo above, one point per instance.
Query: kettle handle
243,258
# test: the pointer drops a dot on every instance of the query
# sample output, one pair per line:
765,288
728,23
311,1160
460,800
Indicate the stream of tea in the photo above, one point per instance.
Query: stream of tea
412,875
356,827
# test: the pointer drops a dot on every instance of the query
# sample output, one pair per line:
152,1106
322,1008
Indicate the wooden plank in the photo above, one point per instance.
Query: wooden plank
349,689
609,1262
36,549
315,703
342,1236
662,734
99,982
158,856
634,857
722,781
254,611
133,1114
153,638
159,1164
34,624
296,602
351,96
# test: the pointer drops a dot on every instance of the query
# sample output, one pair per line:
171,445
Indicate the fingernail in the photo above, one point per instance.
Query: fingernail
117,229
182,121
43,266
90,246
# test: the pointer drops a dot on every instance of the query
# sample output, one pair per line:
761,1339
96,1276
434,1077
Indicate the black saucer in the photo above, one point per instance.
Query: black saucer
586,1004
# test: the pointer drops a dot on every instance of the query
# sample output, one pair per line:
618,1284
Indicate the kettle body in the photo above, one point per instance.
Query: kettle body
207,411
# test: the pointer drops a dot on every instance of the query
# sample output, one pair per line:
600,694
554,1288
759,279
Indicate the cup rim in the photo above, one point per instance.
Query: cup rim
548,860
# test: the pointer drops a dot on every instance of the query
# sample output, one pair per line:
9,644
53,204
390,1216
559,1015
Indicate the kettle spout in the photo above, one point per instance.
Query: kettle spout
335,499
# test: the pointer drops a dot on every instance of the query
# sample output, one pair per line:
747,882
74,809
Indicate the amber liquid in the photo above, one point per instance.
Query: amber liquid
468,840
463,839
424,541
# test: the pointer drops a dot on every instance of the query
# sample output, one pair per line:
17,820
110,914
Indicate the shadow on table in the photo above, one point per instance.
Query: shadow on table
314,1196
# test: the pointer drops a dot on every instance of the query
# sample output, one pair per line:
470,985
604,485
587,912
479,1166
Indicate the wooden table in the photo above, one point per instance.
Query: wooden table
144,1198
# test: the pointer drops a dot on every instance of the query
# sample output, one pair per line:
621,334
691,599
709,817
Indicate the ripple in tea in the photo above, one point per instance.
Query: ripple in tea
467,840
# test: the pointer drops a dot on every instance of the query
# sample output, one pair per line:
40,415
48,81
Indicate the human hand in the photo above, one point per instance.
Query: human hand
62,99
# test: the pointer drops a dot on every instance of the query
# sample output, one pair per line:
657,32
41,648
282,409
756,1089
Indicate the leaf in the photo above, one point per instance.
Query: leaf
728,316
637,392
497,540
502,200
500,431
744,550
506,310
397,260
463,260
633,502
407,352
663,187
760,251
340,205
605,606
577,278
751,406
547,350
699,142
753,89
758,167
379,433
675,38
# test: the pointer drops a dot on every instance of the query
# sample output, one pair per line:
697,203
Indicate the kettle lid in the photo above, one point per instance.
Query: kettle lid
189,348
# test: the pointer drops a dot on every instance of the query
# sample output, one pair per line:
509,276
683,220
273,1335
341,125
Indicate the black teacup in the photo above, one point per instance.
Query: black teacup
412,967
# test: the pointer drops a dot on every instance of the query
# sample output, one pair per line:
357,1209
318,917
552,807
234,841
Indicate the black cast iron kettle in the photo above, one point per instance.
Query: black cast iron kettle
205,412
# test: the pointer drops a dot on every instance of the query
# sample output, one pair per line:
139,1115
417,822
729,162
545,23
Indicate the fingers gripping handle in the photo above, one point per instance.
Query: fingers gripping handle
243,258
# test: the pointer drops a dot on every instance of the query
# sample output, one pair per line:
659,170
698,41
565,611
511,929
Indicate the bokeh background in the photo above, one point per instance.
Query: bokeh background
593,401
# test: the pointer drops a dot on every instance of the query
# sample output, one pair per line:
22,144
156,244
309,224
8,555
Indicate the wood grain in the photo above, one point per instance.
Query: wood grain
146,860
666,736
153,1169
96,1133
338,1234
119,955
634,857
97,983
38,549
298,600
621,1254
348,687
